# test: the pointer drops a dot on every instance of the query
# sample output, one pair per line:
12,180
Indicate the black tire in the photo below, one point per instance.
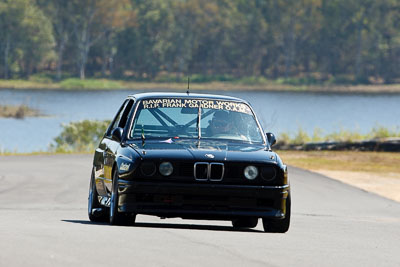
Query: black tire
279,226
116,217
96,212
249,222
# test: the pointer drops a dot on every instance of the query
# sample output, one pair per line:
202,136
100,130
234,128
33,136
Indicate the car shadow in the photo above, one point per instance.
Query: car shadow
85,222
174,226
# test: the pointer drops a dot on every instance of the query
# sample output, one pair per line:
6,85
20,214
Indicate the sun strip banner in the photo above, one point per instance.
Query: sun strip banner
195,103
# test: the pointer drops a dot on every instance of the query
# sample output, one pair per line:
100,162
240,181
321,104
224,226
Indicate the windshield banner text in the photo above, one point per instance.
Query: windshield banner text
195,103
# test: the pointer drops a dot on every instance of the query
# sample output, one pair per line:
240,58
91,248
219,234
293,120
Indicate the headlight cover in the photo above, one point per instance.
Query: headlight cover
250,172
268,173
148,168
166,168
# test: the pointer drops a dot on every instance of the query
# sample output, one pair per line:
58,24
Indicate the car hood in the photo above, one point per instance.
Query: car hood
202,150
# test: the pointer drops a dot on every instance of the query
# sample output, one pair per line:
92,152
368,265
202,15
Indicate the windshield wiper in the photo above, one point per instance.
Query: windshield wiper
142,135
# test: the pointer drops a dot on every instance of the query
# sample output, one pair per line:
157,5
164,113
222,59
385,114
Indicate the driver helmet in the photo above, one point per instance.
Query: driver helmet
221,122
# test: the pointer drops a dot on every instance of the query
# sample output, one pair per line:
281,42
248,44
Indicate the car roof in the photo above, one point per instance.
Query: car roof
141,96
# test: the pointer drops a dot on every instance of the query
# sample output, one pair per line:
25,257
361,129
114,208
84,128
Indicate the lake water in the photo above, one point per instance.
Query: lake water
278,112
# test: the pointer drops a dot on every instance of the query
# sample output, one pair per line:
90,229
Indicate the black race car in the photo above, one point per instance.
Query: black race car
194,156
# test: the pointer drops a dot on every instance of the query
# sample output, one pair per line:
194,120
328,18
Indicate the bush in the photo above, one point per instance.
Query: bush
84,136
346,136
74,83
199,78
379,132
296,81
81,136
342,79
40,78
317,135
284,139
18,112
301,137
195,78
253,80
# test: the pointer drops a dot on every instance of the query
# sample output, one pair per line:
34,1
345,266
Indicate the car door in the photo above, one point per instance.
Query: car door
111,146
100,161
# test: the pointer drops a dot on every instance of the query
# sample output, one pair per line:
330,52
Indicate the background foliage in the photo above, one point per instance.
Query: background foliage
301,137
292,41
80,136
84,136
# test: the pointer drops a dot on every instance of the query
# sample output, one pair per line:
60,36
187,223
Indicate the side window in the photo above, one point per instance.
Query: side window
125,114
116,120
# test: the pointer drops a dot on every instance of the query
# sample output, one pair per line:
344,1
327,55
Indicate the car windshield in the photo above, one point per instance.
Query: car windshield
183,117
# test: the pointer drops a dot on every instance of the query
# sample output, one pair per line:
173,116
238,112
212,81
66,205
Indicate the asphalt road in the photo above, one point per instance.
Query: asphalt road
43,222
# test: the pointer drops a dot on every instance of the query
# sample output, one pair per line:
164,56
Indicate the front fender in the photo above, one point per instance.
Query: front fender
126,161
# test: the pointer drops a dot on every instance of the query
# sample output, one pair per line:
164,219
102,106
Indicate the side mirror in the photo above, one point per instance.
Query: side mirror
271,139
116,134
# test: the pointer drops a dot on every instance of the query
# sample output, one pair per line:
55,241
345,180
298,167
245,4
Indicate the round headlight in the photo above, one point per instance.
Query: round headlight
268,173
148,168
250,172
166,168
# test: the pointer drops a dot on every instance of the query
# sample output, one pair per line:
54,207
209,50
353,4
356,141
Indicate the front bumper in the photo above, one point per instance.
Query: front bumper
202,201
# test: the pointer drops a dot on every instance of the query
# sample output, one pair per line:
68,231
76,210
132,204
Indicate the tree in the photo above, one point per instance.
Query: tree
143,50
26,35
60,13
93,20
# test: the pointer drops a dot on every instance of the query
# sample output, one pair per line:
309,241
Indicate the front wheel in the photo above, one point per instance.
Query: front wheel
245,222
278,226
116,217
96,212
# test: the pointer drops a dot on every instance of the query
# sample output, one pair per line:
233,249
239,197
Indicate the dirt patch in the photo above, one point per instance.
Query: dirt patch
18,112
376,172
386,185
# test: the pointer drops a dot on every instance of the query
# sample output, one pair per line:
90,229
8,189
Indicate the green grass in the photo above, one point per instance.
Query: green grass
73,83
26,84
301,137
198,82
354,161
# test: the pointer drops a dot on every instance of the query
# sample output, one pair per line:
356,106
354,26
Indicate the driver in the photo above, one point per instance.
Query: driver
221,123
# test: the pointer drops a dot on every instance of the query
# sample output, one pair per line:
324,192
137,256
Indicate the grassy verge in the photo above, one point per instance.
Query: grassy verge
18,112
240,85
351,161
301,137
83,136
106,84
41,153
347,161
